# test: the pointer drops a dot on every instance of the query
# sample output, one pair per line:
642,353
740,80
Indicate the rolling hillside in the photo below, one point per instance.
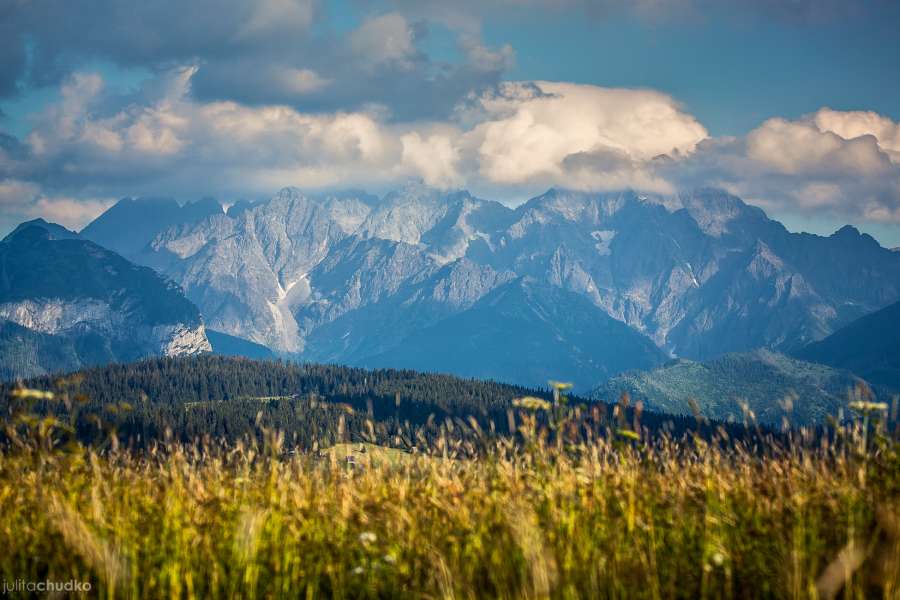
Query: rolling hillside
772,385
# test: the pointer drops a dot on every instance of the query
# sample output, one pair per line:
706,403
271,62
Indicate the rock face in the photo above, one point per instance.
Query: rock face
348,277
56,288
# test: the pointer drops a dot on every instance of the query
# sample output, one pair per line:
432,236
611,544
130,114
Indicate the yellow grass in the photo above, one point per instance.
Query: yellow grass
596,519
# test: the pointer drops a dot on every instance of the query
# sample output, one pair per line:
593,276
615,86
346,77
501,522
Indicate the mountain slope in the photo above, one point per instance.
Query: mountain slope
527,333
28,353
762,379
247,272
702,273
93,304
870,347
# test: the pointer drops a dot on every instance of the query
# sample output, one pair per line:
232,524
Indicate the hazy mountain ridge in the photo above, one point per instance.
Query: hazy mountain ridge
869,346
346,277
90,303
771,385
526,333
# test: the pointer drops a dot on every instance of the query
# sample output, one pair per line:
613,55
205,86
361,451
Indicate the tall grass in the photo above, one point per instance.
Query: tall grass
601,517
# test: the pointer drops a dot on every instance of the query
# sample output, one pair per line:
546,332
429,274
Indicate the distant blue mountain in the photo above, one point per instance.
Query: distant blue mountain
528,333
869,346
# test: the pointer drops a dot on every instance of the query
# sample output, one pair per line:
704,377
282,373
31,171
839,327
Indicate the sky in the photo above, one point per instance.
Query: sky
793,105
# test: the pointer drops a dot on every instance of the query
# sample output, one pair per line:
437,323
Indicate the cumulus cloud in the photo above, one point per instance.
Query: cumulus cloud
570,134
856,124
802,147
533,134
20,200
177,137
841,163
435,157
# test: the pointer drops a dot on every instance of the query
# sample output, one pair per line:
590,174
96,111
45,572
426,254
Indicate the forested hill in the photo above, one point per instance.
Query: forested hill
230,398
212,378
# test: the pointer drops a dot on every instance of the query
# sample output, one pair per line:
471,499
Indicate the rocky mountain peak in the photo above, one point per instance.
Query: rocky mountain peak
717,211
847,231
43,230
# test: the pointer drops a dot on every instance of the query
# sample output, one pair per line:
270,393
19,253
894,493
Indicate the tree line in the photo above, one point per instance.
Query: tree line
228,399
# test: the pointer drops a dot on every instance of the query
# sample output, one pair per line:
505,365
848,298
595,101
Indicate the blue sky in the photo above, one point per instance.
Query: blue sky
731,74
105,100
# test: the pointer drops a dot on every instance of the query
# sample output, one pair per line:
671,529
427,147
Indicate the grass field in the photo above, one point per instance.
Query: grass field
597,518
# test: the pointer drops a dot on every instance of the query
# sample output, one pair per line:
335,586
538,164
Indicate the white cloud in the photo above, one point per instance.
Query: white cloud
854,124
529,130
533,134
73,213
800,147
433,157
835,163
384,39
63,119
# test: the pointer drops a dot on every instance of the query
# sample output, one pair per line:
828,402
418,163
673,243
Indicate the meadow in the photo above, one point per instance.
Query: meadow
604,514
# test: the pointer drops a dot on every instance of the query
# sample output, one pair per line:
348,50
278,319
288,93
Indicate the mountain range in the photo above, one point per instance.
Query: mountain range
574,285
351,278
